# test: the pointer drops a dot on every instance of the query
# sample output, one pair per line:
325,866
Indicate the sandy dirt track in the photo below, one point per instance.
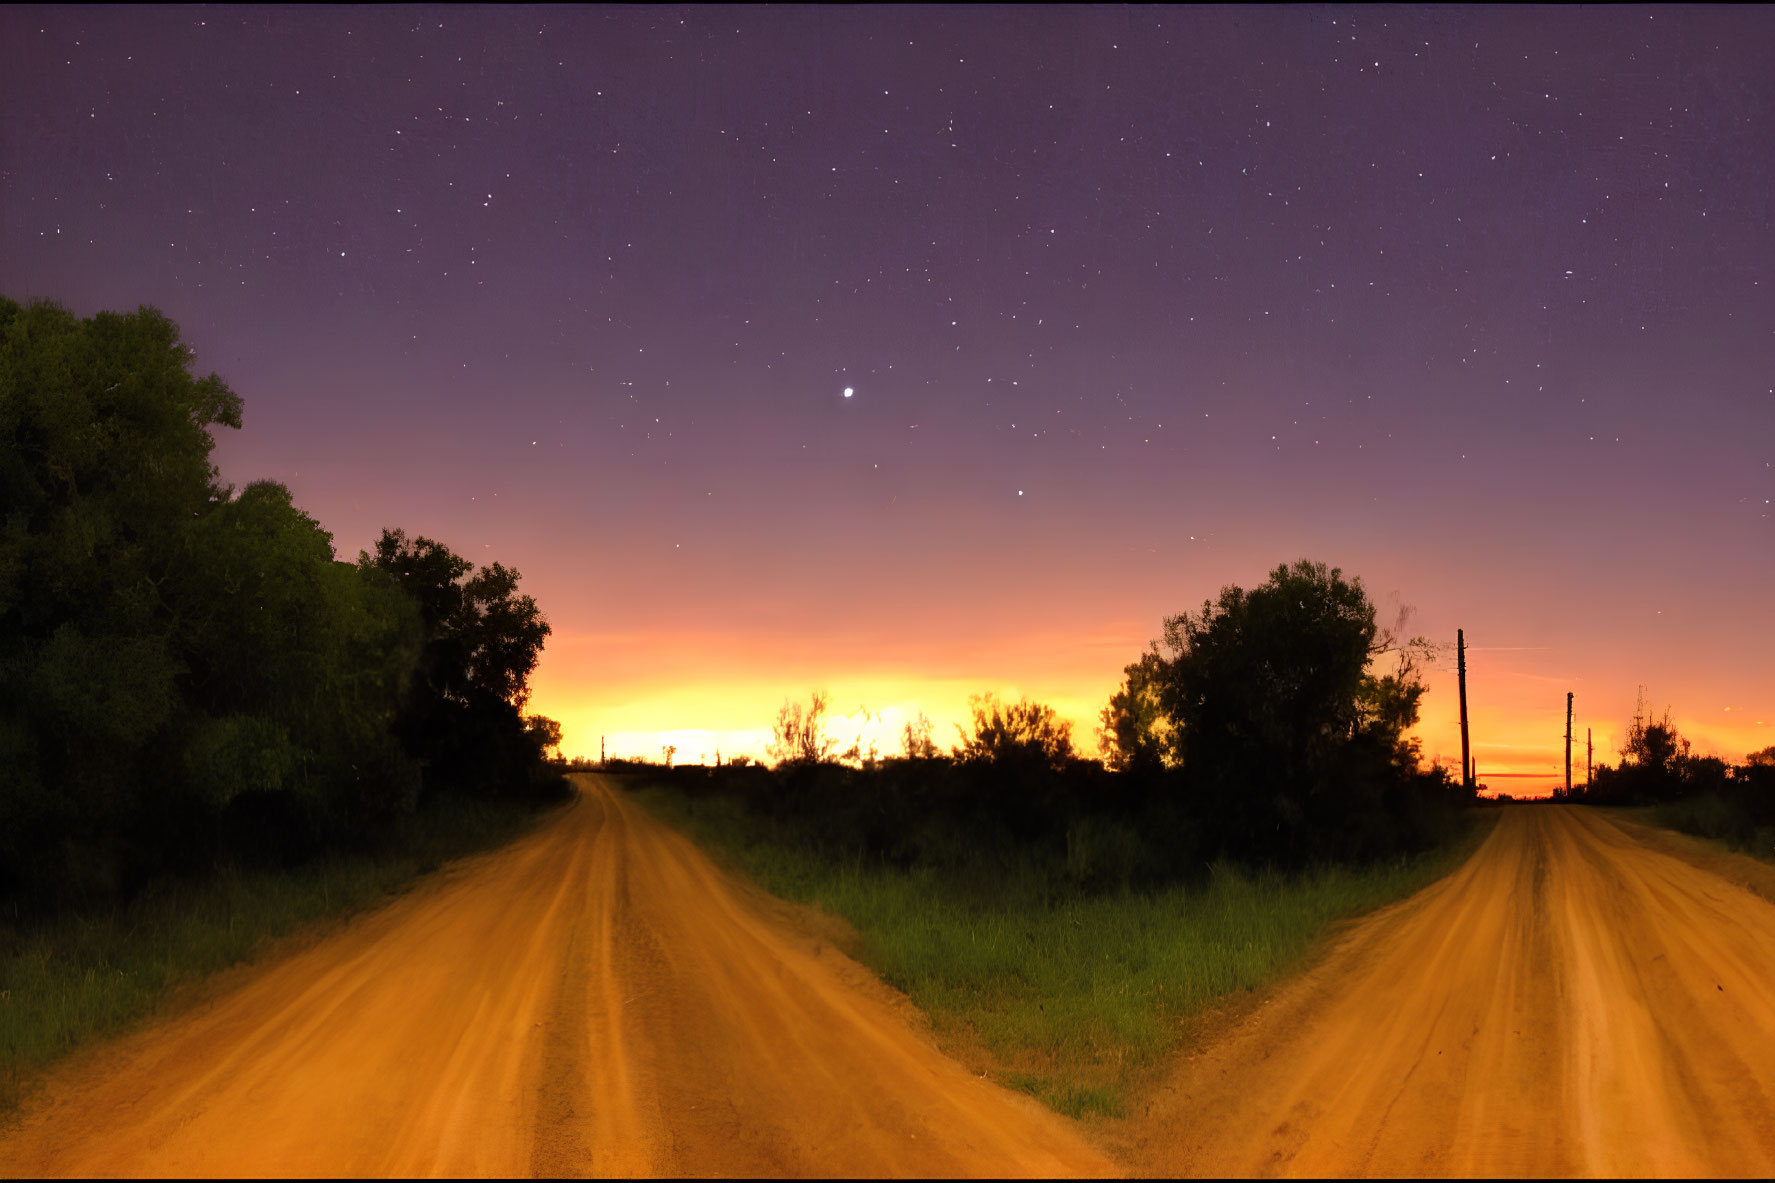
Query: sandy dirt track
597,999
1570,1002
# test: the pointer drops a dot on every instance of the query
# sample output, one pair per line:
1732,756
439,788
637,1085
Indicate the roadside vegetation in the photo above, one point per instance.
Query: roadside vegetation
1071,914
1073,995
1699,795
201,706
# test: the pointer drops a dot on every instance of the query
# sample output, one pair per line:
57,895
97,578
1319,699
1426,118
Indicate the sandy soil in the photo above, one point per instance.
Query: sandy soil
1572,1001
595,999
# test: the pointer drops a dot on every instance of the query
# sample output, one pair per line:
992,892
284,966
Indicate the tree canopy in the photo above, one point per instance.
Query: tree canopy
1023,735
188,671
1276,705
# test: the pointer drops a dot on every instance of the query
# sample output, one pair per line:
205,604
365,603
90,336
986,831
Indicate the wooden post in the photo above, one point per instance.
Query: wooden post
1467,776
600,749
1568,743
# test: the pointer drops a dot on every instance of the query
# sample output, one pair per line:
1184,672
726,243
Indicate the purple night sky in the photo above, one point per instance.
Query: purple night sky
1475,303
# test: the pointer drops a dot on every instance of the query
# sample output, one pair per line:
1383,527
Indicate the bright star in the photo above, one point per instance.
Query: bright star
848,392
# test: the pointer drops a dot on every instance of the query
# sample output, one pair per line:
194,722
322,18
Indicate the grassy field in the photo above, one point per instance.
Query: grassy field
1071,998
1708,816
87,976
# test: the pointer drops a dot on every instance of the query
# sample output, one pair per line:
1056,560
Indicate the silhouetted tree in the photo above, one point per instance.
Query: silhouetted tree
1657,765
187,673
916,741
1291,740
1753,787
1022,734
1135,734
1388,702
799,736
463,719
545,733
1654,747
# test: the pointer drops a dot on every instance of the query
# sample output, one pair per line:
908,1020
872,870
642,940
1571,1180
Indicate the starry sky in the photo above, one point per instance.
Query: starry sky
914,352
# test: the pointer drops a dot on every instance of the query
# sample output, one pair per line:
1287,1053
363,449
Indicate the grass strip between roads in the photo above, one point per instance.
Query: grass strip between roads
84,976
1071,997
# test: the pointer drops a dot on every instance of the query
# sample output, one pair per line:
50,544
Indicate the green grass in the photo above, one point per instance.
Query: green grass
1710,816
1072,996
80,977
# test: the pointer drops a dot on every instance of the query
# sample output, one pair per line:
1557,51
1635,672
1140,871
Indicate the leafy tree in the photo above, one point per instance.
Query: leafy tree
1277,717
1021,734
1652,767
545,733
1654,747
1753,786
483,639
188,674
1275,672
463,720
1388,703
104,465
1135,734
1702,774
296,662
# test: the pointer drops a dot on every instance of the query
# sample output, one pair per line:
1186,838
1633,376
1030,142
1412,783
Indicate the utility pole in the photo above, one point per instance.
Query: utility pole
600,749
1568,743
1589,755
1461,668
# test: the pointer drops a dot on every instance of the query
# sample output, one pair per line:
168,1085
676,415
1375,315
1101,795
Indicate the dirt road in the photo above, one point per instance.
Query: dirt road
1571,1002
596,999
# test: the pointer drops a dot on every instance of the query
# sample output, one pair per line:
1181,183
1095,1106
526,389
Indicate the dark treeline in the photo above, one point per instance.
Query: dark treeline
1701,794
187,674
1269,727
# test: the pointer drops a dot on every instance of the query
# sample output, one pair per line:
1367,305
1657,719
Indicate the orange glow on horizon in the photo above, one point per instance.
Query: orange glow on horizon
707,694
735,719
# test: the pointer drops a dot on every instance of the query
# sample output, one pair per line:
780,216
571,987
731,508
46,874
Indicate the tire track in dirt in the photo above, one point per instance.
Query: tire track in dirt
595,999
1569,1002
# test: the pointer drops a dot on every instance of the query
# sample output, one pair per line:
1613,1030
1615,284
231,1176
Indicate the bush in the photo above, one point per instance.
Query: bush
170,646
1710,816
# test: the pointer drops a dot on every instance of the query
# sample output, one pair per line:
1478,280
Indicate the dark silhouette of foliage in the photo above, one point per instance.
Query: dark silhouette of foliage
1654,767
916,742
1297,747
186,673
463,716
1135,734
1271,727
1698,794
1023,735
544,733
799,736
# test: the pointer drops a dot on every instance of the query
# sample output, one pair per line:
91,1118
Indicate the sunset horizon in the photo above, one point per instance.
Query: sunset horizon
903,591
